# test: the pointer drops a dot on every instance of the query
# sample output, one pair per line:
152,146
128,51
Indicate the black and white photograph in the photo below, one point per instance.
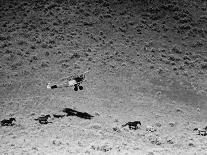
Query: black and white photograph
103,77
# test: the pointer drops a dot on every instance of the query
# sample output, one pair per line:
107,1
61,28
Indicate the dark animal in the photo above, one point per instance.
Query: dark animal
80,87
202,132
43,119
132,125
54,86
79,79
71,112
77,86
8,122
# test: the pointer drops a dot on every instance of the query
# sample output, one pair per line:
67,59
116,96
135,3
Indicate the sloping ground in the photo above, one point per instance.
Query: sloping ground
147,62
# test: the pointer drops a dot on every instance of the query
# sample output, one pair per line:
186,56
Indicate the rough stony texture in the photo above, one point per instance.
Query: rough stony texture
147,62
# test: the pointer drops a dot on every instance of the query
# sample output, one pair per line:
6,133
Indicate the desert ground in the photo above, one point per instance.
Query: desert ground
146,61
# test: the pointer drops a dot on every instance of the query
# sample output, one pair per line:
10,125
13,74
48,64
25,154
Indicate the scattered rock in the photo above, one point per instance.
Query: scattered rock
95,126
116,129
170,140
172,124
198,109
155,140
158,124
150,153
191,144
116,120
57,143
97,114
179,110
150,129
104,148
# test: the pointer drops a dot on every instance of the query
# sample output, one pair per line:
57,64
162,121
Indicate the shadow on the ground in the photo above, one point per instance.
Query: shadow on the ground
71,112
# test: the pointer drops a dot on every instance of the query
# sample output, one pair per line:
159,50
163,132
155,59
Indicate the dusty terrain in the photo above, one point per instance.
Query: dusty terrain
147,62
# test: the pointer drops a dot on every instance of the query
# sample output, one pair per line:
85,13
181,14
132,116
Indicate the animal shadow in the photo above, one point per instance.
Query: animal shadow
71,112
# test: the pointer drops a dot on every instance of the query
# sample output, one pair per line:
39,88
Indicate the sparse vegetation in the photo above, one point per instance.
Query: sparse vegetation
146,60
